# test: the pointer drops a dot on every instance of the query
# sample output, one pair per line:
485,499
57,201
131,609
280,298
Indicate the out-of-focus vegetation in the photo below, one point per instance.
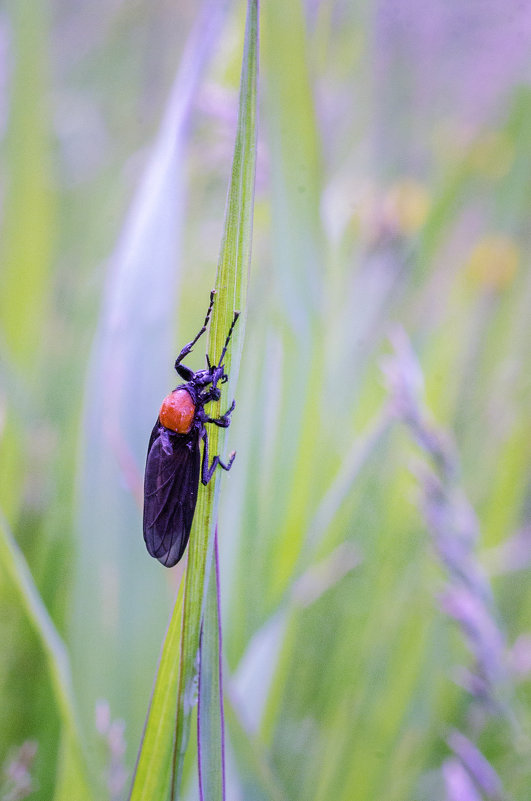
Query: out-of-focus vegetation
374,533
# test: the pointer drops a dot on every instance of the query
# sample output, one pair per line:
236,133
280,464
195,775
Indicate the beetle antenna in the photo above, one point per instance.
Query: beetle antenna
225,346
187,348
207,318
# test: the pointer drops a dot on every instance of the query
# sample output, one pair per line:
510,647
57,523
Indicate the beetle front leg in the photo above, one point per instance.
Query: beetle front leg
212,394
206,471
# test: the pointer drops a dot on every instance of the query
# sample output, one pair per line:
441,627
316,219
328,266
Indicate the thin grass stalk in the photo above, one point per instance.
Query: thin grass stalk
210,713
16,567
231,295
152,773
153,770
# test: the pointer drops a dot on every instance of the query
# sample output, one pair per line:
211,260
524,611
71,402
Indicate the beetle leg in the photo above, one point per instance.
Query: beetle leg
223,421
213,394
218,374
206,471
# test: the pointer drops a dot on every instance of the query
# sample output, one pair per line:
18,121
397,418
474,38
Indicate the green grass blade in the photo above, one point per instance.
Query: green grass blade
297,258
231,286
27,206
25,283
75,782
153,769
210,720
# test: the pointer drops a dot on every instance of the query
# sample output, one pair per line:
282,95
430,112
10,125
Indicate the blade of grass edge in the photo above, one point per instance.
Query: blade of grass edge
74,765
231,287
210,718
151,779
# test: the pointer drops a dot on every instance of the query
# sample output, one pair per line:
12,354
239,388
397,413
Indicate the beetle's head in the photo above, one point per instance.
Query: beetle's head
202,378
199,379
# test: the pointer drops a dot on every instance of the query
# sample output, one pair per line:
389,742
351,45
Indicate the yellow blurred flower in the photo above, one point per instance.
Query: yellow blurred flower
399,211
494,261
406,204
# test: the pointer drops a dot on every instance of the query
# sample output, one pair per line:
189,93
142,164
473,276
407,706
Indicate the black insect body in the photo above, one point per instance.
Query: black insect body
173,465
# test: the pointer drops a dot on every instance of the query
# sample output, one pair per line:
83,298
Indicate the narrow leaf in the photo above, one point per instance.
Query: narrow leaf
71,753
231,287
156,205
153,768
210,721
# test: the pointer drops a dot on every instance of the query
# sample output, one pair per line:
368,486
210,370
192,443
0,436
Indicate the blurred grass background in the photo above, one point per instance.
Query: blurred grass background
393,187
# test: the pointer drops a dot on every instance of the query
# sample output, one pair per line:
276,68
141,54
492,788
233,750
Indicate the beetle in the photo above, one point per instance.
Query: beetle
173,463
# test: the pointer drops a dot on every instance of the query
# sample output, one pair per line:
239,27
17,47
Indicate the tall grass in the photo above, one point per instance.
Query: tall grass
392,187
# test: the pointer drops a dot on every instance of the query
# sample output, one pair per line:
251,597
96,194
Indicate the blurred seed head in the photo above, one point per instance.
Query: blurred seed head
112,732
17,782
477,765
459,785
520,656
403,377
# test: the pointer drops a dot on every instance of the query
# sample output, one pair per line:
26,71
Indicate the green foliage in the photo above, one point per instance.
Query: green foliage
380,200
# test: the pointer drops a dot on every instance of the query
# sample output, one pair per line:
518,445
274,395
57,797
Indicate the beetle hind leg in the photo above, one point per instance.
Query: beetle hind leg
206,471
